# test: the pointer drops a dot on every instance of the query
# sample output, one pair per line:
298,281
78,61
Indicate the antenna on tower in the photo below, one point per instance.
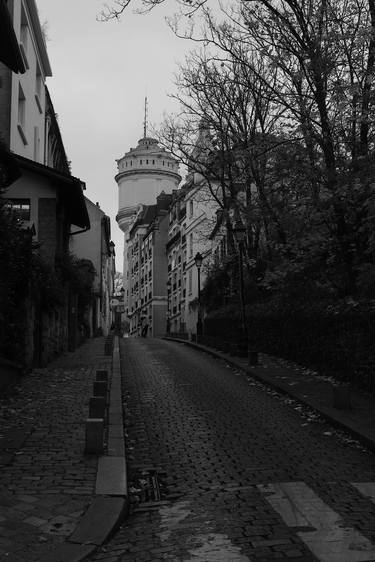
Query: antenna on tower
145,120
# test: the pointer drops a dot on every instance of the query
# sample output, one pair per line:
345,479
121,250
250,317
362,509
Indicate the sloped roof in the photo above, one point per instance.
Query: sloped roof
70,189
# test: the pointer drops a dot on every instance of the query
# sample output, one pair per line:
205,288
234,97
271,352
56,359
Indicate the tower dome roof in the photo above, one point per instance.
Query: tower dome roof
146,145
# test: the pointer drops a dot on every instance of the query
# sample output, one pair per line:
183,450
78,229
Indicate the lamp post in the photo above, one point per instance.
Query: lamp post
198,262
168,311
121,309
239,232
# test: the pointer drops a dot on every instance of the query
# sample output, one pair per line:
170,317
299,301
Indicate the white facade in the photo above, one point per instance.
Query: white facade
27,98
192,218
200,213
143,173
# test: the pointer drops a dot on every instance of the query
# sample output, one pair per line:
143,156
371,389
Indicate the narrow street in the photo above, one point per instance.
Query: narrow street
221,470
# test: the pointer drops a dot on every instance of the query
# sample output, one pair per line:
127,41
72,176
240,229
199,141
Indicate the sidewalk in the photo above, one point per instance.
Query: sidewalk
49,489
308,387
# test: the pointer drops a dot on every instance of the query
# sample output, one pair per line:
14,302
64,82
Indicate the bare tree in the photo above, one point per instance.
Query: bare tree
323,56
118,7
290,73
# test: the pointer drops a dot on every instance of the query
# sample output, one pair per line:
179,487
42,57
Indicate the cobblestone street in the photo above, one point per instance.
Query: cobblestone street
221,469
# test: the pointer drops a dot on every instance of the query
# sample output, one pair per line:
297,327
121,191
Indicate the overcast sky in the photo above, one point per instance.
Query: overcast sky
101,72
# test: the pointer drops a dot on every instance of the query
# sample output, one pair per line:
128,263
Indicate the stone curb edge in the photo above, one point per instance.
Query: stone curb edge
111,504
334,419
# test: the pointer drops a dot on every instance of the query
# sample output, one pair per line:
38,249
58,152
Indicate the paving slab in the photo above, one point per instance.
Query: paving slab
69,553
111,476
116,446
99,521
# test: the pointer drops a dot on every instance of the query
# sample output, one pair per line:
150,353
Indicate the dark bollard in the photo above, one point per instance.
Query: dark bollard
100,388
94,444
253,357
97,406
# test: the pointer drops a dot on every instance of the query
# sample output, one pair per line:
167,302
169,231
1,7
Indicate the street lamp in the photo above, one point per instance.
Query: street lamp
198,262
239,232
168,311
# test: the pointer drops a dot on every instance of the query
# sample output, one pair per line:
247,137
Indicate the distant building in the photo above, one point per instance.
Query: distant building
176,251
143,173
192,215
147,301
96,246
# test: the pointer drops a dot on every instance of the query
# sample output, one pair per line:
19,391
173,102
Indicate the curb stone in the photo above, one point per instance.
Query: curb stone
111,504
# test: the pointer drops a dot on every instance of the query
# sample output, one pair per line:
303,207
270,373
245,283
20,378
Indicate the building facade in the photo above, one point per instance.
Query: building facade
22,96
96,245
192,216
147,302
143,174
44,196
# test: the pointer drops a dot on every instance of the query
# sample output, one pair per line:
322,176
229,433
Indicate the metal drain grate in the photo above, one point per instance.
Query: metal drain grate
146,486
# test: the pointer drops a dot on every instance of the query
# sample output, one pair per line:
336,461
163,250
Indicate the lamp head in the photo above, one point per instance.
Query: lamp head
198,260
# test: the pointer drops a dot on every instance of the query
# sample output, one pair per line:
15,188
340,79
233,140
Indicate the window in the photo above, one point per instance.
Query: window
191,245
21,106
191,208
38,88
20,207
190,281
140,161
36,144
24,37
21,113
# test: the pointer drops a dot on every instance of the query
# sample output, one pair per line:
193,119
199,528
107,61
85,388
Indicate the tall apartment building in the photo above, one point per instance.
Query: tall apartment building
147,301
143,173
192,216
176,258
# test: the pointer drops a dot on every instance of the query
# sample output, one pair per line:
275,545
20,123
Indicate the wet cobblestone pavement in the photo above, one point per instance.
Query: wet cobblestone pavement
220,469
46,480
